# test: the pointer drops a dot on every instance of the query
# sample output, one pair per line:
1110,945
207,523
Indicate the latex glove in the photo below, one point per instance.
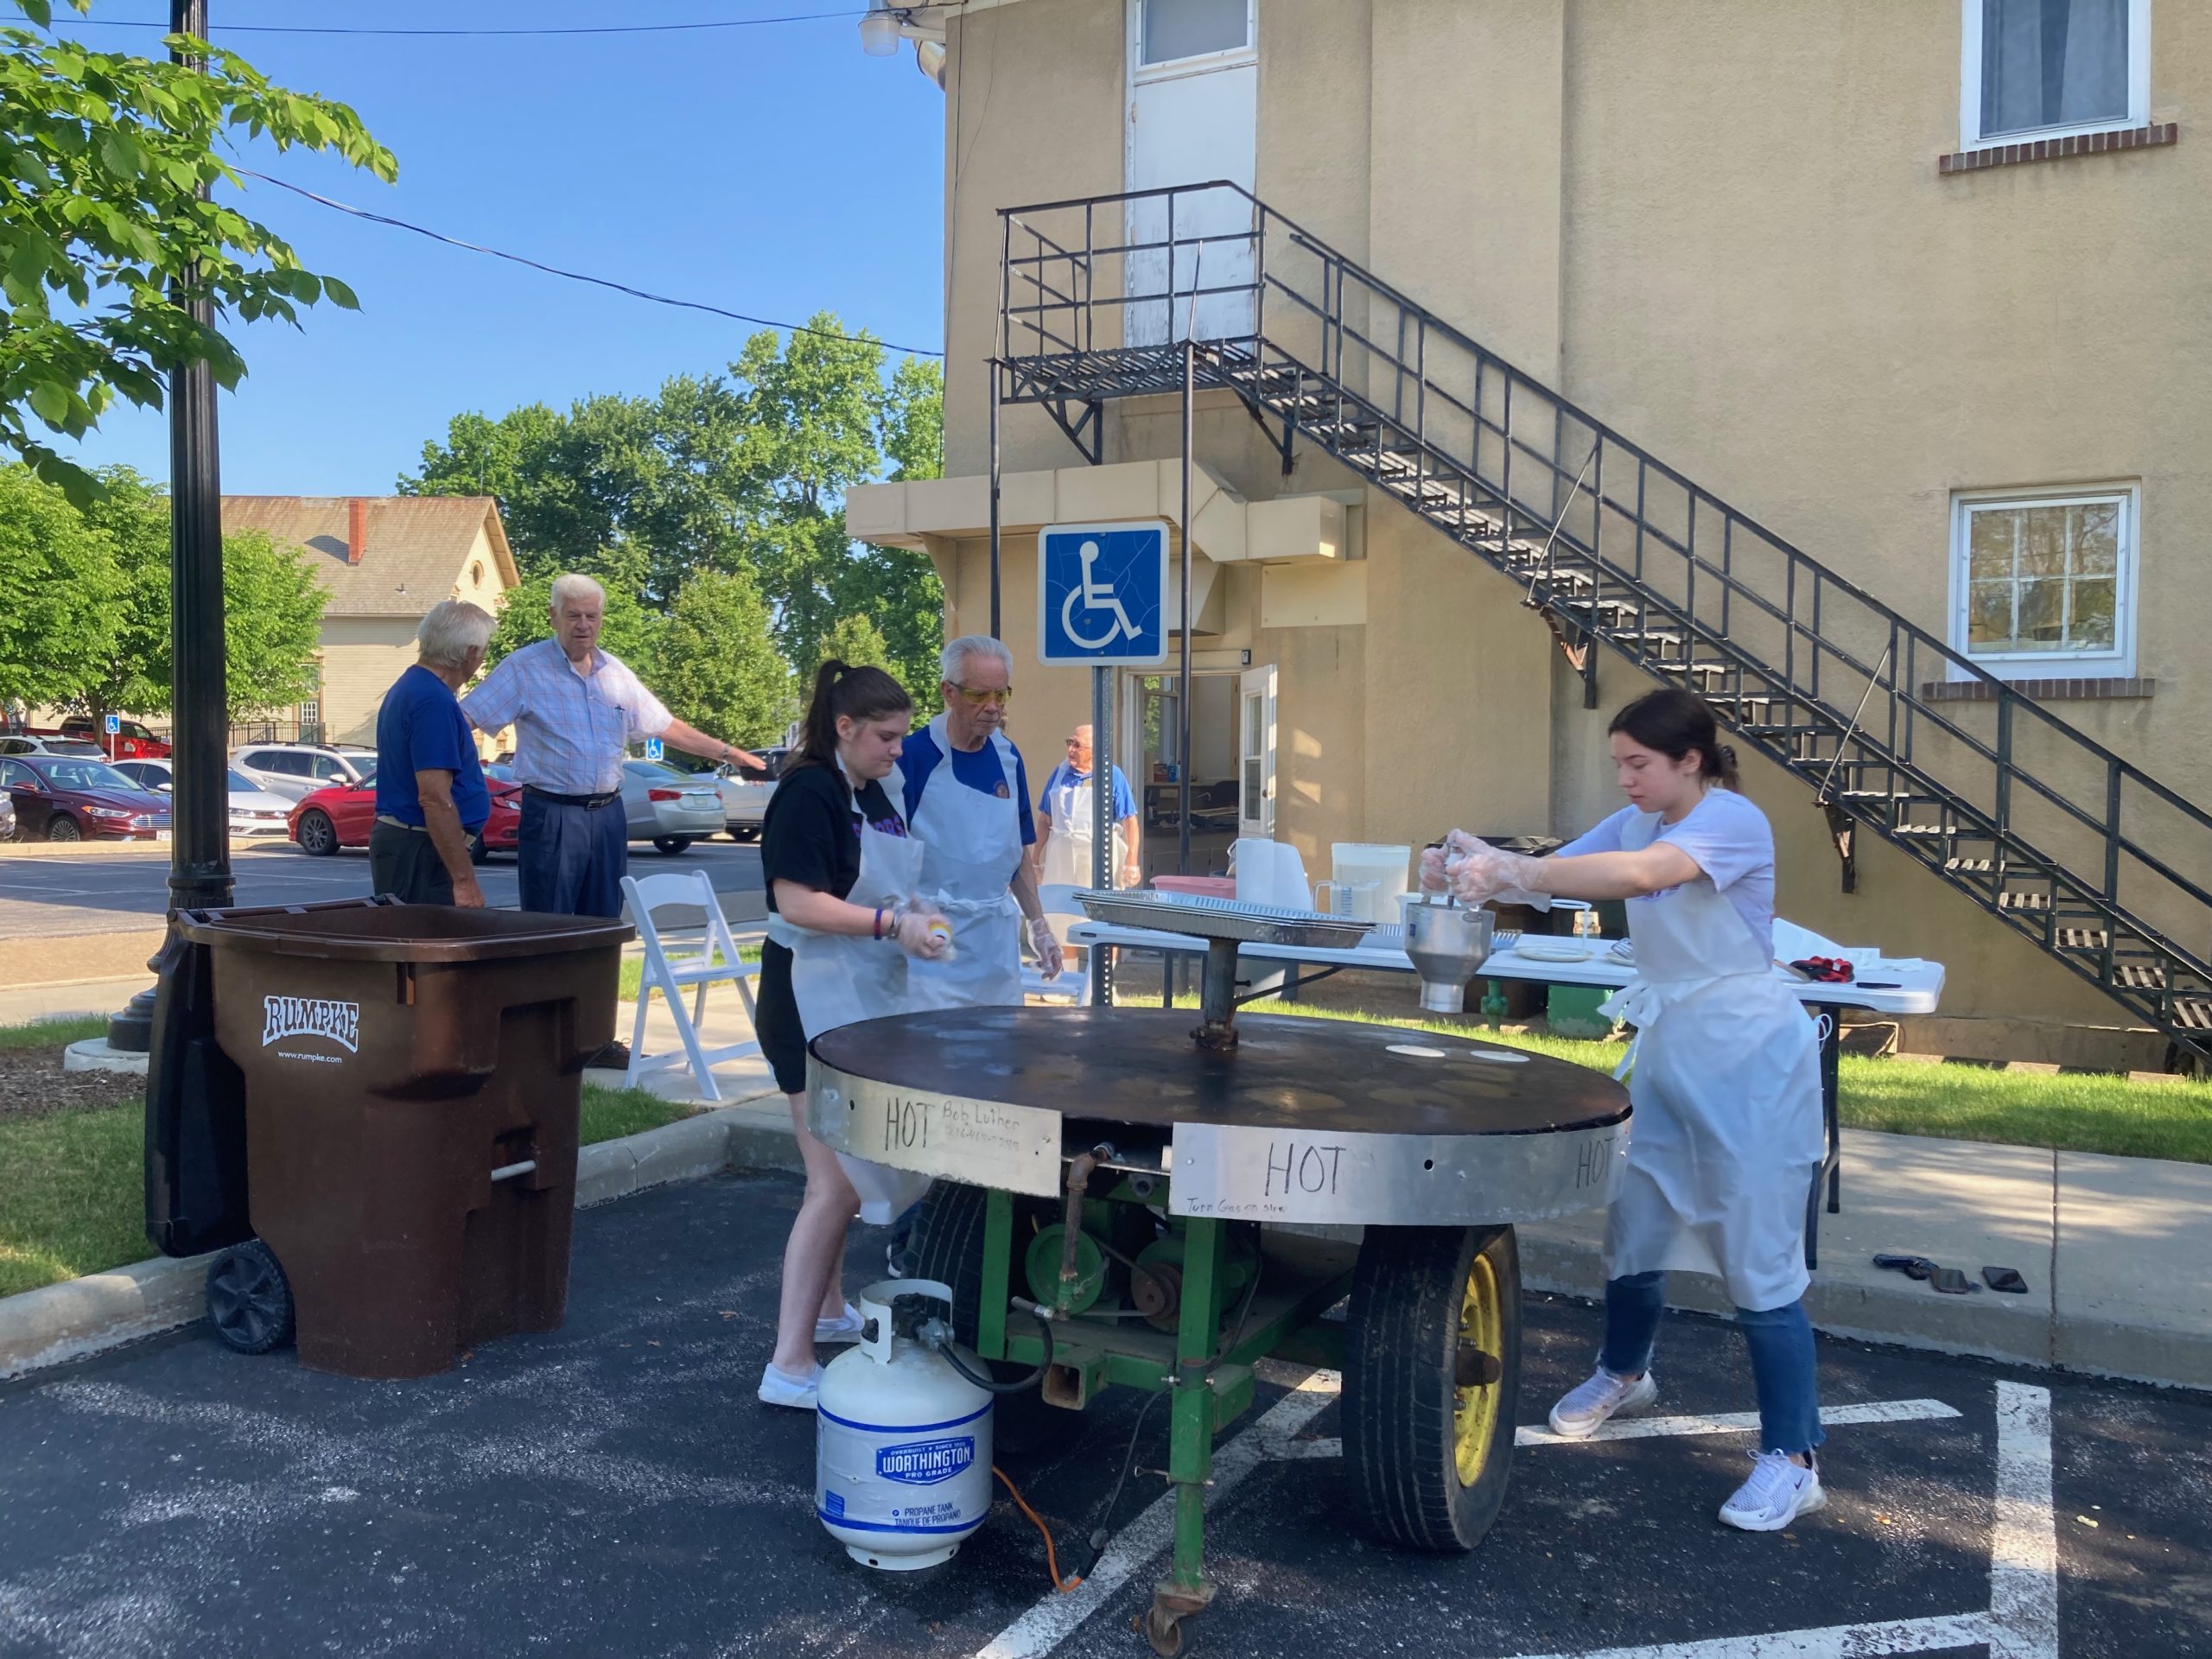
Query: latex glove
921,934
1479,872
1049,956
1431,869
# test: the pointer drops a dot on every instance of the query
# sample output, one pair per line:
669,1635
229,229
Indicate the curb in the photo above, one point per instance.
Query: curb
79,1318
114,846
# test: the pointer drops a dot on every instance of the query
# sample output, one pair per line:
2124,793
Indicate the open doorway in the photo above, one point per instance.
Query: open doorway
1152,726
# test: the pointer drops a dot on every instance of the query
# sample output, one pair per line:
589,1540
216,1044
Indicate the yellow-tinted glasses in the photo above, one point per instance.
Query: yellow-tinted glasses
979,698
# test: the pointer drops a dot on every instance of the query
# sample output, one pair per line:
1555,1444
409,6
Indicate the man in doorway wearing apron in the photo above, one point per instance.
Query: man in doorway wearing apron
1064,817
968,803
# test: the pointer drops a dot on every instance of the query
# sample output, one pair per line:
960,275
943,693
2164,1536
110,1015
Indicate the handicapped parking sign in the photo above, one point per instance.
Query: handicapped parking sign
1102,594
653,748
114,724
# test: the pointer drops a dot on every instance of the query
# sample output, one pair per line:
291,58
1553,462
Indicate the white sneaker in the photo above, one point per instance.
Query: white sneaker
1584,1410
1776,1494
780,1388
846,1327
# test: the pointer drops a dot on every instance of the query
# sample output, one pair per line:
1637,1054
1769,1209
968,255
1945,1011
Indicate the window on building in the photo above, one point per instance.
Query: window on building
2040,67
1193,28
2043,584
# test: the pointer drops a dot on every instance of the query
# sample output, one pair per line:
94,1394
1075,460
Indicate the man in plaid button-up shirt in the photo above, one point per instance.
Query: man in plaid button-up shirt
575,709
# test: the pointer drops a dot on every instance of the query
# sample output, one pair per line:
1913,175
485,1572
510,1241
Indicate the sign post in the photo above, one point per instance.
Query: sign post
1102,592
114,725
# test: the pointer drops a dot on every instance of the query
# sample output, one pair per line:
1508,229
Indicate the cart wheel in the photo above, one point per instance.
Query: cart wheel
948,1246
1432,1382
250,1300
1164,1630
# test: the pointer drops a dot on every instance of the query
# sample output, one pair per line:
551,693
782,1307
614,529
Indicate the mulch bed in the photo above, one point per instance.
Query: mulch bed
33,1084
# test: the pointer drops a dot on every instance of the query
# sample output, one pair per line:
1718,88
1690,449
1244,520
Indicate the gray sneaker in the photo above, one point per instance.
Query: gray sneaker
1776,1494
1585,1410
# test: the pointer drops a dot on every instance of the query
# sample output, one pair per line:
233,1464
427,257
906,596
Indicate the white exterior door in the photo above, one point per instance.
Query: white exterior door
1194,89
1256,752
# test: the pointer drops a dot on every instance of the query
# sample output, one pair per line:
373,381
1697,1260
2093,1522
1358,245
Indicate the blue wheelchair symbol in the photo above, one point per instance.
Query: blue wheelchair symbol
653,748
1100,593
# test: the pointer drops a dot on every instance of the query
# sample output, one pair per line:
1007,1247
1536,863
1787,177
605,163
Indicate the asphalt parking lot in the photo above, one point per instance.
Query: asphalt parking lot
83,892
614,1488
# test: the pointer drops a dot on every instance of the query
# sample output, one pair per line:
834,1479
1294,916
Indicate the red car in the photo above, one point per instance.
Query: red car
132,741
66,798
341,816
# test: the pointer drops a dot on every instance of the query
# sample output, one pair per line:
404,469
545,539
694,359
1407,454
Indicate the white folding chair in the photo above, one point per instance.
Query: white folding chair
669,976
1073,985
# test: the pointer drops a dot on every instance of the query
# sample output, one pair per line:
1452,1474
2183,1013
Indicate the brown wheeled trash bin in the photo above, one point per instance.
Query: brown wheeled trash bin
412,1074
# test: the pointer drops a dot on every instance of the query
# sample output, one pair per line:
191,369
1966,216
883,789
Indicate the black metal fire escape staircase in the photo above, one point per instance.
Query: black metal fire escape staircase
2070,846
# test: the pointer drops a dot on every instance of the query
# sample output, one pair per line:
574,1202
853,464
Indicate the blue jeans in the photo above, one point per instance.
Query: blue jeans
1780,1338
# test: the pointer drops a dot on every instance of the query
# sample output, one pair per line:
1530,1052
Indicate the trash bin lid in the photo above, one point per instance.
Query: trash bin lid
384,929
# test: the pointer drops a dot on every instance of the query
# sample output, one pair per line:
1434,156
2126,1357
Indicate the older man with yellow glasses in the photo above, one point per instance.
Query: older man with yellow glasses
967,800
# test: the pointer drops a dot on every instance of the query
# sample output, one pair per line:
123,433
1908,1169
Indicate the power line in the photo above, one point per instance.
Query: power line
598,28
580,276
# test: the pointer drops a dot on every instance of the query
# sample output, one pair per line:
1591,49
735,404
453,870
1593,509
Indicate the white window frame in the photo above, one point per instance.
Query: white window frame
2139,84
1140,71
2117,663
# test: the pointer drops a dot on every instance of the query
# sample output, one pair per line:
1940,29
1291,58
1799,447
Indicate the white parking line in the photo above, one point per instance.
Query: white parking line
1721,1422
1047,1624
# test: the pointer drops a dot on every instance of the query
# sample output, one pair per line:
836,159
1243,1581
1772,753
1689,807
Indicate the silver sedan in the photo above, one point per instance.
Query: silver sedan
669,808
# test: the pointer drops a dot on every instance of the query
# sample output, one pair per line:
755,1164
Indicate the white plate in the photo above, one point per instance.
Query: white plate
1624,952
1552,949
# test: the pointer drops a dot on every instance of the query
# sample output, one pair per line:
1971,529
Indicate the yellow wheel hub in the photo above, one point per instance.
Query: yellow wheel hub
1474,1415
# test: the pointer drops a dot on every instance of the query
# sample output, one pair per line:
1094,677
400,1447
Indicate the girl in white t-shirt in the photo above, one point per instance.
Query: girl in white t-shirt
1726,1138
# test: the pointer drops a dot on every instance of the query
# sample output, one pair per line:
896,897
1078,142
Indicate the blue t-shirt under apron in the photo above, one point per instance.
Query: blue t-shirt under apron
1065,776
1728,837
978,769
421,728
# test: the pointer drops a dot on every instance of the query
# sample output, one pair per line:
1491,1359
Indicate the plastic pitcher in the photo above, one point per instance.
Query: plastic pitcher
1354,863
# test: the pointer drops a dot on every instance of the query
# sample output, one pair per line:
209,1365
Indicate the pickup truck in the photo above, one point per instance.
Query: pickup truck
132,742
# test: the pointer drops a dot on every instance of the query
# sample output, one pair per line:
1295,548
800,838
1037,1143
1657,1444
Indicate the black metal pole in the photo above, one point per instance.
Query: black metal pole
200,868
200,851
995,497
1183,647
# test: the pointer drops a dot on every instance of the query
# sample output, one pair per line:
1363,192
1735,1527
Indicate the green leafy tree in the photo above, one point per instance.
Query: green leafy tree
59,592
103,227
132,676
718,666
272,624
628,631
854,640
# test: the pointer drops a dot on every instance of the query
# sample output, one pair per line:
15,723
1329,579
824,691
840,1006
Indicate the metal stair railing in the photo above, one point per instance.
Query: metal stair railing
2096,861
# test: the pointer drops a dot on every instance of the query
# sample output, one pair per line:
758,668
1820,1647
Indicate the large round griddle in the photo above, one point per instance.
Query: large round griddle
1303,1120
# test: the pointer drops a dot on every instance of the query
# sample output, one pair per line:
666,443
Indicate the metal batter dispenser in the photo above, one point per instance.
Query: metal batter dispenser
1128,1201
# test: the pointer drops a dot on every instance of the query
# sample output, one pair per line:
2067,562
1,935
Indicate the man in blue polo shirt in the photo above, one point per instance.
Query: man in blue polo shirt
431,796
967,803
1065,824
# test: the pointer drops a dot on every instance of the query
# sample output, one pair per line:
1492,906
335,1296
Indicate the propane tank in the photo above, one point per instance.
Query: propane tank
902,1440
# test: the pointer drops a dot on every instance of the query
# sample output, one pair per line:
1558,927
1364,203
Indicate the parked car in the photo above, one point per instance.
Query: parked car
745,792
7,816
132,741
50,743
342,814
61,797
669,808
254,811
298,770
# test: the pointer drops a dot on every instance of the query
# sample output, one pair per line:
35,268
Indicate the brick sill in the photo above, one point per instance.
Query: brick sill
2052,149
2095,690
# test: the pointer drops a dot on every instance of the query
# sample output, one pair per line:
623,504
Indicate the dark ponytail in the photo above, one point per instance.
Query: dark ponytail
843,692
1675,722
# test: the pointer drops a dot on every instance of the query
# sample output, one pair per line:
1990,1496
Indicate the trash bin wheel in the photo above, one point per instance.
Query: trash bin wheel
250,1300
1432,1379
948,1246
670,843
317,835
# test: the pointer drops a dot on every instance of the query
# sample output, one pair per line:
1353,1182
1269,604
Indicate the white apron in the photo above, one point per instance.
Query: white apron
1727,1095
1067,854
837,979
971,850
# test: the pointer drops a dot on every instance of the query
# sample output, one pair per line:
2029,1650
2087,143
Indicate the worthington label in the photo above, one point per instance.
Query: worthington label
305,1016
925,1462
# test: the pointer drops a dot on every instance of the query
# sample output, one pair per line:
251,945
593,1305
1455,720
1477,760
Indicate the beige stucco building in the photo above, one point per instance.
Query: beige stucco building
383,561
1924,305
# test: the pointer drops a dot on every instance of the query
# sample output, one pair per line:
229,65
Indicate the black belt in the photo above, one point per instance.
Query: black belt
590,802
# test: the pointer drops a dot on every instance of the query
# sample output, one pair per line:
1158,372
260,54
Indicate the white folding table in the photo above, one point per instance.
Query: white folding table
1880,987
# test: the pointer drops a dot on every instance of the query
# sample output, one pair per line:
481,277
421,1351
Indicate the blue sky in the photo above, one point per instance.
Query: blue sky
773,170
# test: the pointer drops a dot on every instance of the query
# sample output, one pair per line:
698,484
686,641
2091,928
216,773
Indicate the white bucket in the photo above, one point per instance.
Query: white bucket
1269,872
1356,863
